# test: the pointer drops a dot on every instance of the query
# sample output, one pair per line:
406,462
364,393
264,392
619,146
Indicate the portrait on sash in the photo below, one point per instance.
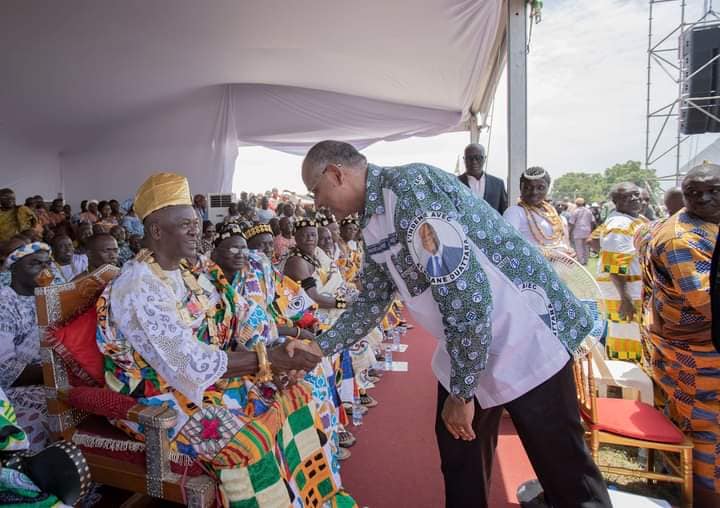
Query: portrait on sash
438,247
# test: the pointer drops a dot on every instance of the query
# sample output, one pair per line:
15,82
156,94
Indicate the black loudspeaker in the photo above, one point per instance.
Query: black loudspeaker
700,45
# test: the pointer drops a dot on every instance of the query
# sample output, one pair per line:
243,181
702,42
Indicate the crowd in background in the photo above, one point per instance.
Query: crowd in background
653,268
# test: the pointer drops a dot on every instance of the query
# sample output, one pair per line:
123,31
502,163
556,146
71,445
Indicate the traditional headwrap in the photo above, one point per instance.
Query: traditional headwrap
305,222
258,229
227,230
349,220
126,205
160,191
25,250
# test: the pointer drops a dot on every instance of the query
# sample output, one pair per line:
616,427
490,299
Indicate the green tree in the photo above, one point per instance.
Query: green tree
588,186
596,186
631,171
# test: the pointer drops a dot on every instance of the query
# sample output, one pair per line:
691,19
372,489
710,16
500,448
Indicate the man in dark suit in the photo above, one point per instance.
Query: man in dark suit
443,259
490,188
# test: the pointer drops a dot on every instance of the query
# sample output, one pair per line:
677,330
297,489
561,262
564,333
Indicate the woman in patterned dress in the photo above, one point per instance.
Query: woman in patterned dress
21,373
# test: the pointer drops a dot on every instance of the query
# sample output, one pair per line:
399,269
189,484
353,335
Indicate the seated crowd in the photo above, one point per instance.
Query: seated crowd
273,272
252,288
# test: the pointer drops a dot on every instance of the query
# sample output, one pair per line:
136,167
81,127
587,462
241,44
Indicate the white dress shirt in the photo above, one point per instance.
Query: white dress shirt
524,352
477,185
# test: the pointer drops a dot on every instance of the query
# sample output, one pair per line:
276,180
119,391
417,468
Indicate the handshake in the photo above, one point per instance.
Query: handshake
295,354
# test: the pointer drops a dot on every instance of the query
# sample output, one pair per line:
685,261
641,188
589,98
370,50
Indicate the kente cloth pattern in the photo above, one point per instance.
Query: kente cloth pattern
464,296
12,437
345,382
25,250
618,256
685,363
236,426
18,491
641,241
261,285
350,260
20,348
330,280
16,220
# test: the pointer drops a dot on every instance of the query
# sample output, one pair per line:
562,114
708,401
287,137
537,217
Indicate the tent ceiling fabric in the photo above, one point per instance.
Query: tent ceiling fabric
77,69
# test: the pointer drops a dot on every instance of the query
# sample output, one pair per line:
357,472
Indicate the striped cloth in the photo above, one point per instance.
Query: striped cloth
618,256
684,361
25,250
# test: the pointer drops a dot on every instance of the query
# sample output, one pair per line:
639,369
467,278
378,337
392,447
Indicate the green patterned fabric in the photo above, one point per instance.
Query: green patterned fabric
12,436
463,296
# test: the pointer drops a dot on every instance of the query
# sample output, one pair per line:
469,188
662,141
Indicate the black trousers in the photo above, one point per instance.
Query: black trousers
548,424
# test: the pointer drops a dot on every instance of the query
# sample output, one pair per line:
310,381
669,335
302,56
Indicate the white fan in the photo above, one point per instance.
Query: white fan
626,375
585,288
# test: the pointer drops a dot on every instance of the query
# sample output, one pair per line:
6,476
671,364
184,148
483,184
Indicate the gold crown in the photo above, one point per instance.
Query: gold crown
349,220
226,230
325,221
305,223
160,191
258,229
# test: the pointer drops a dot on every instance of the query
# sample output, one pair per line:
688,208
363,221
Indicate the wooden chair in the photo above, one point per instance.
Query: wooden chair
78,411
636,424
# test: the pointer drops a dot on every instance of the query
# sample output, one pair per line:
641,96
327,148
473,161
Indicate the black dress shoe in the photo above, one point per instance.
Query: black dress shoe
531,495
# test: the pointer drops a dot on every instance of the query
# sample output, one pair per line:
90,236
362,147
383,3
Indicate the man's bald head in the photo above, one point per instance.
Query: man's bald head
701,190
329,152
334,172
702,172
673,200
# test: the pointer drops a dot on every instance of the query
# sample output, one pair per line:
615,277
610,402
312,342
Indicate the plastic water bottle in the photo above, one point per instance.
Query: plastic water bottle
396,340
388,357
357,411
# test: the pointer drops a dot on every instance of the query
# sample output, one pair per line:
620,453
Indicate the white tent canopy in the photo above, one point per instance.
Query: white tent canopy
95,94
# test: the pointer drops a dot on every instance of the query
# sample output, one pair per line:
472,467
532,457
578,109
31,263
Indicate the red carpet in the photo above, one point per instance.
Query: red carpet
395,463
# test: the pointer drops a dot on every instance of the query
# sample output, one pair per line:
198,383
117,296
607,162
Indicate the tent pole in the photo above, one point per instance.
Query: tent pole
474,129
517,95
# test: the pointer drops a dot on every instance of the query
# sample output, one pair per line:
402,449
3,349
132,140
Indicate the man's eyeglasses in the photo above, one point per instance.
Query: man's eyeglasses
471,158
312,190
236,250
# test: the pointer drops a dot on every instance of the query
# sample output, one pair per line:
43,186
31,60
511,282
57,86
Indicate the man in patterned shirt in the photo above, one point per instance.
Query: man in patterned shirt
505,323
685,363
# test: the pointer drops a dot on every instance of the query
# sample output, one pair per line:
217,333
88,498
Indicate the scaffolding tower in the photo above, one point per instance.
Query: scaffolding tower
665,57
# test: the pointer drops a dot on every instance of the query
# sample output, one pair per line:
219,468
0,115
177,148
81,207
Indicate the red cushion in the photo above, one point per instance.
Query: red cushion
632,418
75,343
101,401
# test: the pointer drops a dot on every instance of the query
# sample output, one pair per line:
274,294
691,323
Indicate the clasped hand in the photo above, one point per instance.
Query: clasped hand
295,355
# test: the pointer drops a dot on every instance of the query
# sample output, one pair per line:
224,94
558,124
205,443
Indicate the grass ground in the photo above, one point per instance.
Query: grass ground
620,456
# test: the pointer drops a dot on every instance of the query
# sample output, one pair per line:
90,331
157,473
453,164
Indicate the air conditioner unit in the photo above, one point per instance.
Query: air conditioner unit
218,204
